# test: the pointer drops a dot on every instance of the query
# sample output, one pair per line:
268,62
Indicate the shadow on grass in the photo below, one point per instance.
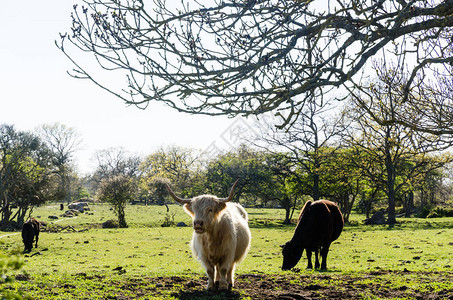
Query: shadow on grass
404,224
207,295
270,224
313,271
420,223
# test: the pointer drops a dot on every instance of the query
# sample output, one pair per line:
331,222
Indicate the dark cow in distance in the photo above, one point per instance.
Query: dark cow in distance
30,232
320,223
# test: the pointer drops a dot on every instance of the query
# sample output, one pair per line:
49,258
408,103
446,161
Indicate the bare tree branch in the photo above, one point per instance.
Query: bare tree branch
229,57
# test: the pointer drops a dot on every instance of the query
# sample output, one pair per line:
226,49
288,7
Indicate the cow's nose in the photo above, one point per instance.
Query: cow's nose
198,223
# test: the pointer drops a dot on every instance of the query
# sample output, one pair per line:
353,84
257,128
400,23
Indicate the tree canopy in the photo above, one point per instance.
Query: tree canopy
29,168
229,57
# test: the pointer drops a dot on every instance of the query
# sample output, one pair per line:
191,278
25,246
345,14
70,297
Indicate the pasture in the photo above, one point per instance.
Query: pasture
411,260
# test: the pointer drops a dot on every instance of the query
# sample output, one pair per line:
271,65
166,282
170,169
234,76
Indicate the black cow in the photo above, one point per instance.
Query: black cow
30,231
320,223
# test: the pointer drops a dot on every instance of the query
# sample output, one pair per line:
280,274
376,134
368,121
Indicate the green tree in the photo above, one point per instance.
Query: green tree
118,190
341,179
265,178
176,164
25,174
391,154
242,163
285,185
429,185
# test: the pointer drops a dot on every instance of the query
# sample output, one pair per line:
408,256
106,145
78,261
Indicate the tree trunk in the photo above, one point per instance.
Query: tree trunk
390,168
316,194
287,215
285,203
292,211
392,214
409,204
122,218
391,196
21,216
6,211
6,214
347,207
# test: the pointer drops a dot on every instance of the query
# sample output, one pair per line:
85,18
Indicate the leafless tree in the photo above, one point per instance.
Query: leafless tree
315,129
230,57
63,142
425,102
392,156
117,161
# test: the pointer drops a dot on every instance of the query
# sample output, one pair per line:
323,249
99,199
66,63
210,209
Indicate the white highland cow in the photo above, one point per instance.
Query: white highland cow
221,237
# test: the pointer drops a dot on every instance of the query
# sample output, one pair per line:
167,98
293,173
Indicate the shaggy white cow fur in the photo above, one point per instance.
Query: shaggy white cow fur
221,237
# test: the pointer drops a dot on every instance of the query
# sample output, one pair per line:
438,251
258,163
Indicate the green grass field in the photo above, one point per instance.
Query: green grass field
97,263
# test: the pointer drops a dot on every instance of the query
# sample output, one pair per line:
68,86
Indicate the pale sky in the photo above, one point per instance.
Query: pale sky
35,89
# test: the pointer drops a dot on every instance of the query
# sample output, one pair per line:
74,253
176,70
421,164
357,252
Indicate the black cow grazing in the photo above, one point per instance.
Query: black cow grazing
320,223
30,231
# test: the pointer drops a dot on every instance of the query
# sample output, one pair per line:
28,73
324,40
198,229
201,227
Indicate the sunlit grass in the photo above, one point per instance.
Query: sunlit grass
146,249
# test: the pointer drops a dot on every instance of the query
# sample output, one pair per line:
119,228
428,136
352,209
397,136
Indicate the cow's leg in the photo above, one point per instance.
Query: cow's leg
37,237
226,271
316,258
309,266
224,284
28,246
217,277
324,251
230,276
210,271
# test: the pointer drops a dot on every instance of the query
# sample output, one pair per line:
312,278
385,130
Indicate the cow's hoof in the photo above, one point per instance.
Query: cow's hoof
224,285
211,288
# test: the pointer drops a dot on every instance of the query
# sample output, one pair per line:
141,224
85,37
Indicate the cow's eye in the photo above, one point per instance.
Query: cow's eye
210,210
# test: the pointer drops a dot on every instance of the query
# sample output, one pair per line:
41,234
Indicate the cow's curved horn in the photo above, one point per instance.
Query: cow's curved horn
177,199
230,197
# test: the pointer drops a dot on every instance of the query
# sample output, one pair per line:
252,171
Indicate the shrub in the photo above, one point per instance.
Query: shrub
7,264
424,211
169,220
110,224
440,212
118,191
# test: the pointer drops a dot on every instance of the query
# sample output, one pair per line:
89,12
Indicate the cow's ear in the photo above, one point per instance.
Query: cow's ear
188,209
221,206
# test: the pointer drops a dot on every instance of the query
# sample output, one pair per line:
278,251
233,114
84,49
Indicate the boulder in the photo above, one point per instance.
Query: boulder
71,213
110,224
80,206
377,218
